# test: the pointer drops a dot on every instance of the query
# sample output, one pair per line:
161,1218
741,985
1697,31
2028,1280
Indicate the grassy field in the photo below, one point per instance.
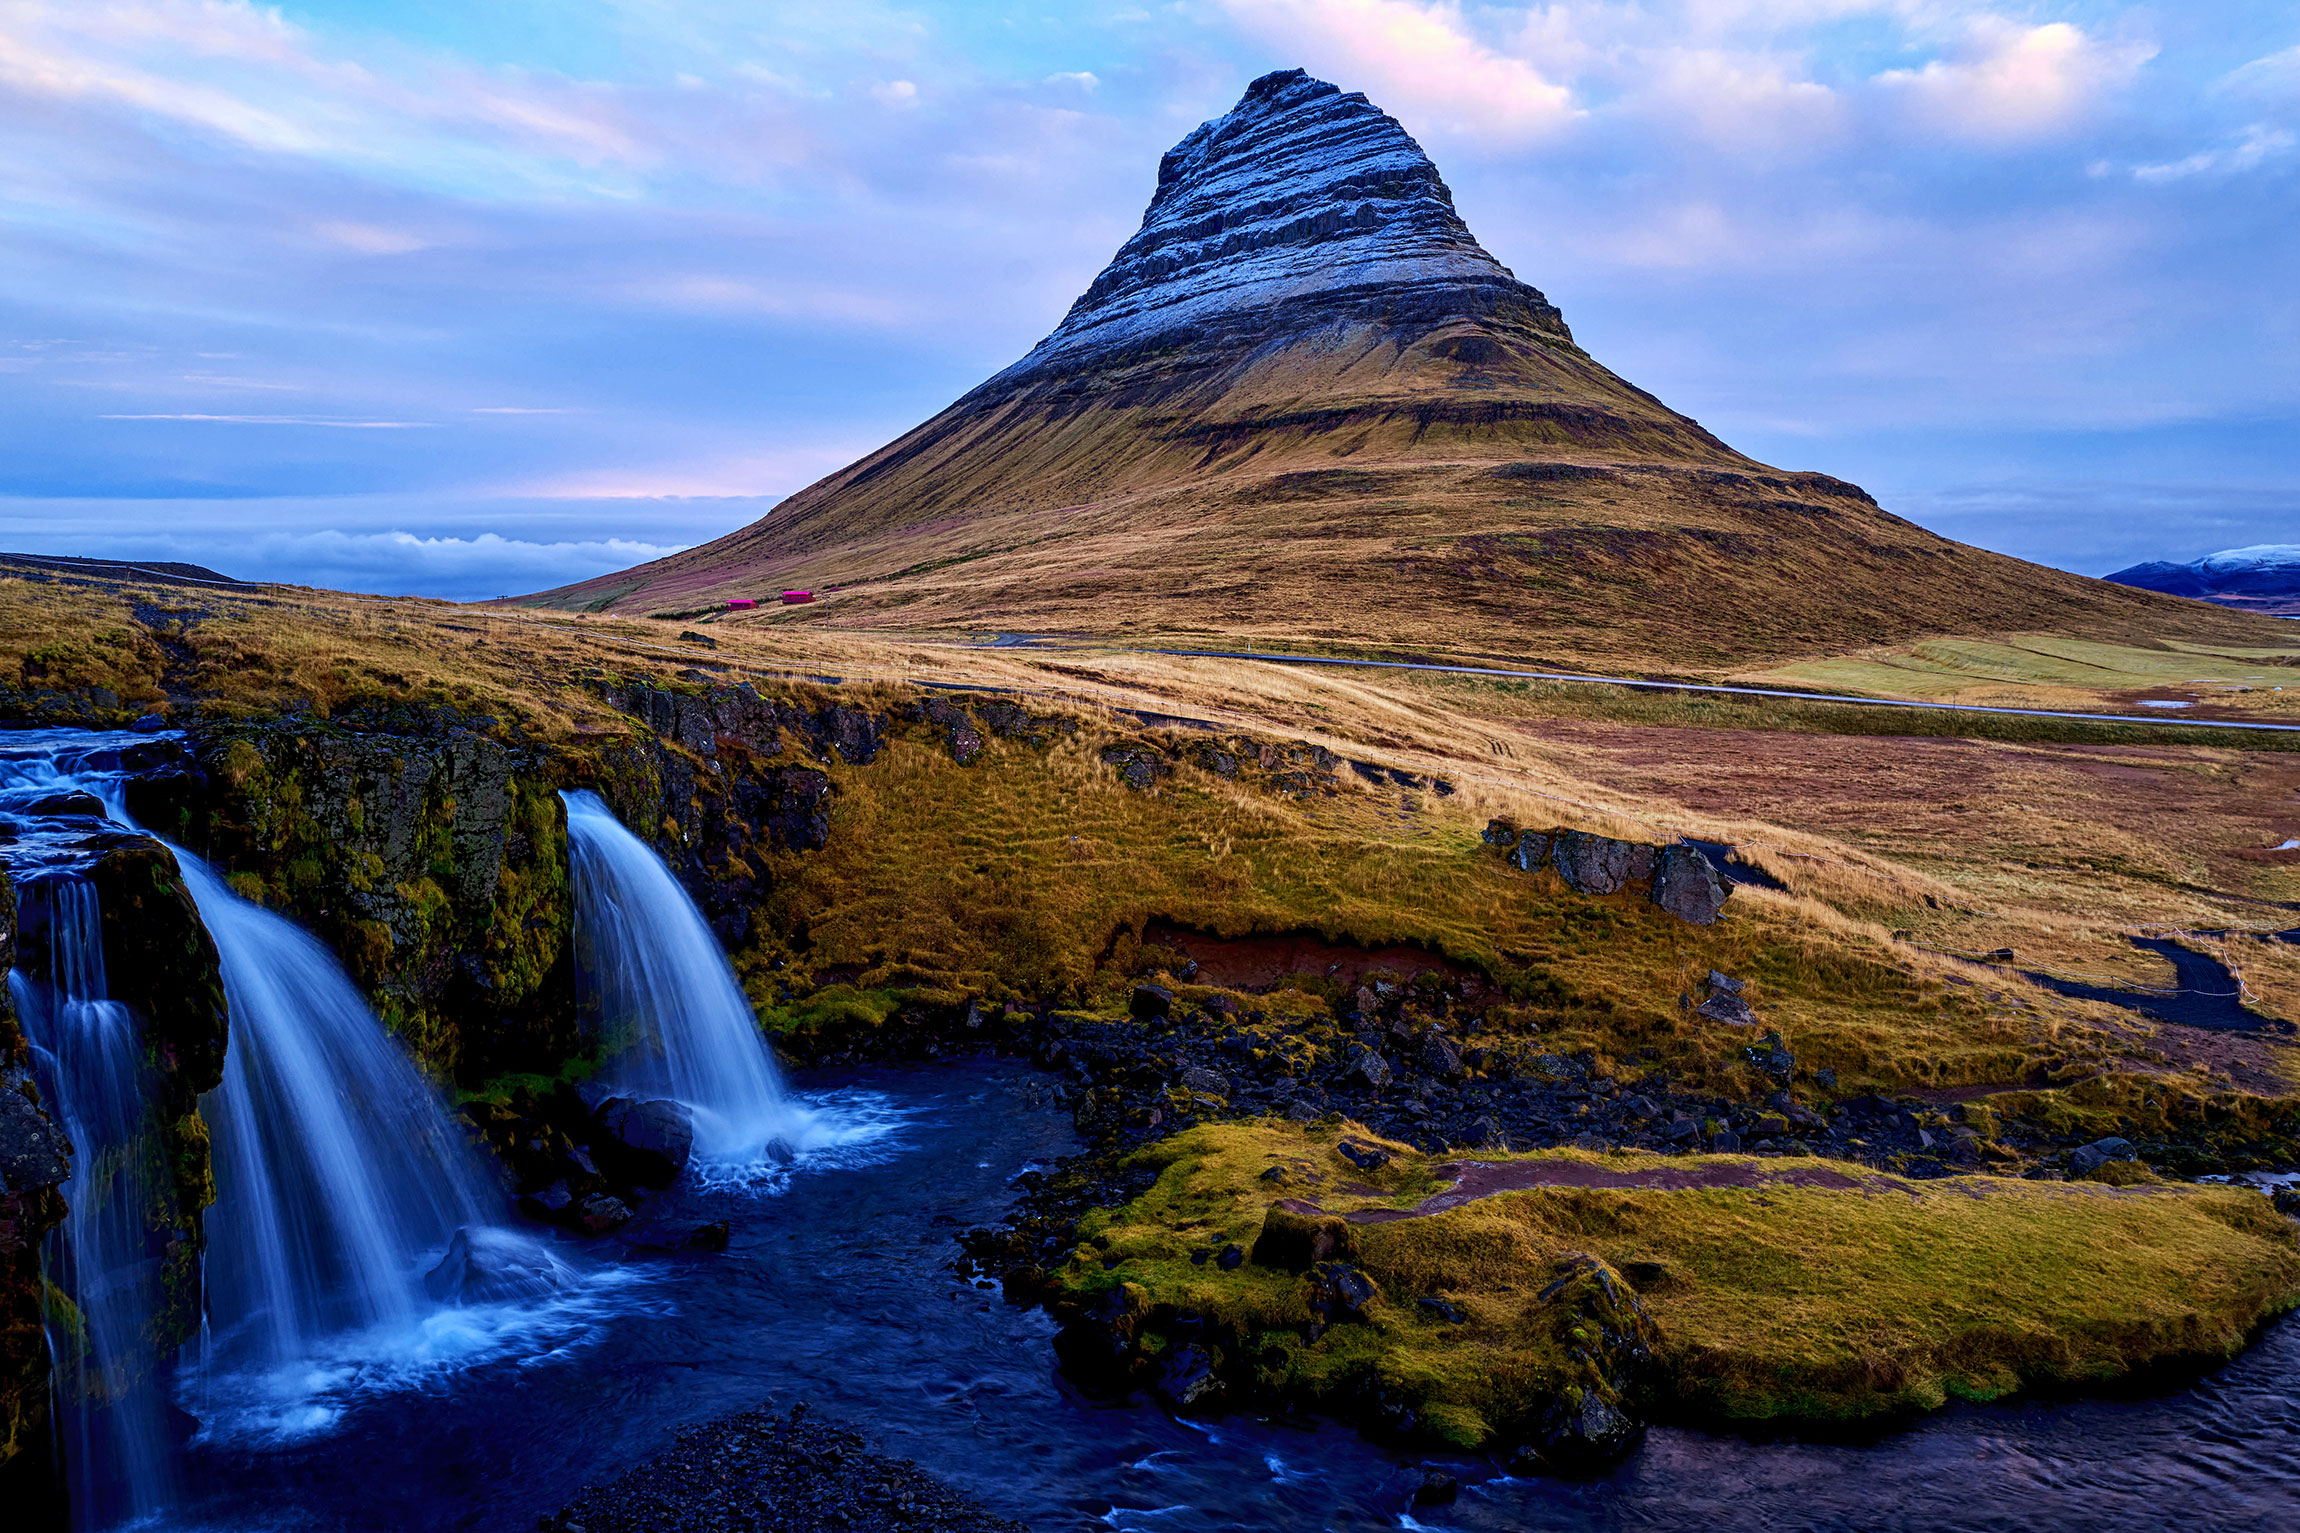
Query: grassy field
2048,671
1037,869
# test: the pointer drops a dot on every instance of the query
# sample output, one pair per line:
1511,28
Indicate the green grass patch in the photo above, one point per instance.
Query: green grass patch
1767,1302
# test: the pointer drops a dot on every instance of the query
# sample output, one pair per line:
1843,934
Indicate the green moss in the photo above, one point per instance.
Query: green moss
831,1010
502,1088
1775,1301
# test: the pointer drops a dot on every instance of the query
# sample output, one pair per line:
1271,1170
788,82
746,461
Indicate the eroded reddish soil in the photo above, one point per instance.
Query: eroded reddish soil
1261,962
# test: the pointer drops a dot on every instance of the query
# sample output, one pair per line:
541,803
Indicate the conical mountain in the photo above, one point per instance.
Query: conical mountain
1303,404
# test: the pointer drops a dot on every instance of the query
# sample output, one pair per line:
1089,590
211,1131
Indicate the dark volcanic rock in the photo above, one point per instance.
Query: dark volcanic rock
677,1236
1594,864
1688,887
1297,1242
34,1154
1725,1006
764,1472
2086,1159
1185,1376
648,1142
601,1214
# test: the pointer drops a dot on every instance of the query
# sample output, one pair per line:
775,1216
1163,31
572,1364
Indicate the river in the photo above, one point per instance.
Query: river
836,1289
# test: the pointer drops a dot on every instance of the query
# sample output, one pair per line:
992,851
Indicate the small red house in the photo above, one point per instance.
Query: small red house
793,598
738,603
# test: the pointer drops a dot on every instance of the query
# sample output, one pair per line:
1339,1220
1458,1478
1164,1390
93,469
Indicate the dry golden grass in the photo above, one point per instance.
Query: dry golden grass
2058,850
1371,492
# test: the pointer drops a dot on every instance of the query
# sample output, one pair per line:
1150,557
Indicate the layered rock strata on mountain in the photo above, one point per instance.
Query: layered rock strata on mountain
1301,208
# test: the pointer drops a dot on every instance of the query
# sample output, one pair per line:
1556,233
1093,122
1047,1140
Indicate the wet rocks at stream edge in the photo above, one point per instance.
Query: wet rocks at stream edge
594,1172
1416,1062
764,1471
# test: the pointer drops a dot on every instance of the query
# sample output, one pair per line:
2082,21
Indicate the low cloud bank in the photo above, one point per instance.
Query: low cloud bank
387,563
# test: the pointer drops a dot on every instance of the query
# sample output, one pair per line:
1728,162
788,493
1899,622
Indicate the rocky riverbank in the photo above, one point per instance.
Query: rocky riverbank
765,1471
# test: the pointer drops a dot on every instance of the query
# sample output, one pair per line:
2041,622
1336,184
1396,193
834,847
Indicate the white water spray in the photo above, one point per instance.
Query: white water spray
339,1176
104,1265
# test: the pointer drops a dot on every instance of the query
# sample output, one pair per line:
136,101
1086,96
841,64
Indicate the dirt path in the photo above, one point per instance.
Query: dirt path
1474,1180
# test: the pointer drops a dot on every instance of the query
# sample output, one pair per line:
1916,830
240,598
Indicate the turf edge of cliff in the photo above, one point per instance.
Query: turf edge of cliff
1721,1289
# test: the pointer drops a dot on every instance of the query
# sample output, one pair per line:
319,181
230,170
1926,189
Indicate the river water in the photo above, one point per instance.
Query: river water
835,1290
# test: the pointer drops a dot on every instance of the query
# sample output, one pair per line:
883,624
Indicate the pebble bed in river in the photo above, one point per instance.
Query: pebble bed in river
762,1471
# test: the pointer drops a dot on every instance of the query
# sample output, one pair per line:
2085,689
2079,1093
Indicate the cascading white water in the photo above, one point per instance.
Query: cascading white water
104,1264
670,1007
339,1177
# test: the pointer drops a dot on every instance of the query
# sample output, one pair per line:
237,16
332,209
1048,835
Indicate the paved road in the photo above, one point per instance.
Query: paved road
2159,719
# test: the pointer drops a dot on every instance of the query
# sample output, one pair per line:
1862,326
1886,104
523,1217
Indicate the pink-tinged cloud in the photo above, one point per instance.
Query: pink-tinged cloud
2012,84
739,476
1418,60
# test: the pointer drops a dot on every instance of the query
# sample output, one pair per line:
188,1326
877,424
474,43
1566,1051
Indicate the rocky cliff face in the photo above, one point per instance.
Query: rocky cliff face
1300,209
34,1159
429,855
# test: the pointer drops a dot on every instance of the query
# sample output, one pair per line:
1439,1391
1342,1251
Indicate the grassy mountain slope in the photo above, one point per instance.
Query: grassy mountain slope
1475,489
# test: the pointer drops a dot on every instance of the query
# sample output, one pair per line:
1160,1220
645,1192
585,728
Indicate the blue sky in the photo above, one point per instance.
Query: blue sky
470,299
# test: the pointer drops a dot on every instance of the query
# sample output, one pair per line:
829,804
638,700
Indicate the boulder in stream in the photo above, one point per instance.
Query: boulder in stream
490,1266
677,1236
647,1141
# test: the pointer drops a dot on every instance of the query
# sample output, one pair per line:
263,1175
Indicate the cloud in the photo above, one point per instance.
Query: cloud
2274,78
468,569
895,93
2257,145
242,74
738,476
790,299
1743,100
1419,60
278,420
368,239
2013,83
389,561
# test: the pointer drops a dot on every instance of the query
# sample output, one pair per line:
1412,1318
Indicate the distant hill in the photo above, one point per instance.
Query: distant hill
1303,405
2264,578
122,569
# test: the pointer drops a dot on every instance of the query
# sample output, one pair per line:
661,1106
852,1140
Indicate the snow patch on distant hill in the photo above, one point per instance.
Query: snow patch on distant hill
2262,578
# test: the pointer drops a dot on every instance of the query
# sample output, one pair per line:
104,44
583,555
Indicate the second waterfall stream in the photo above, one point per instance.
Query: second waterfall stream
674,1018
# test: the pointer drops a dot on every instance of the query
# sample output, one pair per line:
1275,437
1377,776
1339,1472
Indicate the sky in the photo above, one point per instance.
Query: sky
469,299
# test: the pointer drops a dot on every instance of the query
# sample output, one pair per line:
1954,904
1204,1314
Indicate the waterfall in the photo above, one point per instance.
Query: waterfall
668,1000
103,1266
339,1176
